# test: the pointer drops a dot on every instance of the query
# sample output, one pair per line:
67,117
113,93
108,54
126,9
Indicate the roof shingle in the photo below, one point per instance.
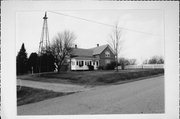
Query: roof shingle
98,50
88,52
82,52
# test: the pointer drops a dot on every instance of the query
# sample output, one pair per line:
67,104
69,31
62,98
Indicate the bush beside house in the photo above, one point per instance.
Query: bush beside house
91,68
110,66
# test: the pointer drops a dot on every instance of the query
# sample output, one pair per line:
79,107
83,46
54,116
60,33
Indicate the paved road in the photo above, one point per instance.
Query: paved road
143,96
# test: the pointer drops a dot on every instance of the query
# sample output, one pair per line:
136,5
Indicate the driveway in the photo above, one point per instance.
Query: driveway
57,87
143,96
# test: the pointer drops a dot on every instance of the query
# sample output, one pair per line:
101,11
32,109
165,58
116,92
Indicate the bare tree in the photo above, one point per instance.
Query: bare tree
156,60
132,61
116,41
145,61
123,62
62,46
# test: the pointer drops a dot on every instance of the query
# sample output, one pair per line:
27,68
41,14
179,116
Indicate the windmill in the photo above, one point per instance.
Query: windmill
44,44
44,47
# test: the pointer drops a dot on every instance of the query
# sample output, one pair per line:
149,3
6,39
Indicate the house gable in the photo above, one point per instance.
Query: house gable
105,59
103,54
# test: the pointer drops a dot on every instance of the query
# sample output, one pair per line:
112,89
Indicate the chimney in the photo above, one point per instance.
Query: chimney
97,45
76,46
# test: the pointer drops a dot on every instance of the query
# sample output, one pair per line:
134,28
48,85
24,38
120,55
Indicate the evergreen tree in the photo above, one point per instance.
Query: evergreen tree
21,61
33,62
46,62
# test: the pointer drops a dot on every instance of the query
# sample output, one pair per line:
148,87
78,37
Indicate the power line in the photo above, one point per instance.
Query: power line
92,21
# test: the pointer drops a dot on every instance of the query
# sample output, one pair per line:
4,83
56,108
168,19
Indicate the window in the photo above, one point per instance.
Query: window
97,63
107,61
81,63
76,62
107,54
72,62
85,62
88,62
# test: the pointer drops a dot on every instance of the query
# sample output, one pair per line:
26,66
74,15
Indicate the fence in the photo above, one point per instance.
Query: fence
144,66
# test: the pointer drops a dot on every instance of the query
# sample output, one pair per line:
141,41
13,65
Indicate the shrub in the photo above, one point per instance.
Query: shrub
91,68
100,68
110,66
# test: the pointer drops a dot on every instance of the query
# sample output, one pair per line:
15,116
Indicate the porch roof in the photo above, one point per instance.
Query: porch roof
85,58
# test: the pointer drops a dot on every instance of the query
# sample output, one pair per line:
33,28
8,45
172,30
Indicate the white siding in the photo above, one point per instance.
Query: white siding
75,66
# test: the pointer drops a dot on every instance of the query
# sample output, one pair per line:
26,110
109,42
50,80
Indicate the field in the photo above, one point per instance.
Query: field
100,77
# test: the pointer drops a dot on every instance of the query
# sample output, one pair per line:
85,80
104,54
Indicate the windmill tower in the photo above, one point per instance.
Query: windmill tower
44,47
44,44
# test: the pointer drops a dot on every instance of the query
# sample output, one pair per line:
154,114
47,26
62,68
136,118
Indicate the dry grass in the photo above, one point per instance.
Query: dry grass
93,77
26,95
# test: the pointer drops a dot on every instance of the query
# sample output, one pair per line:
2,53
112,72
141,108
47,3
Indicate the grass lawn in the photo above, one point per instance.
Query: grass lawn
26,95
92,77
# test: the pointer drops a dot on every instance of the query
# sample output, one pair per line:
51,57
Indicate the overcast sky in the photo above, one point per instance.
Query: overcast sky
137,44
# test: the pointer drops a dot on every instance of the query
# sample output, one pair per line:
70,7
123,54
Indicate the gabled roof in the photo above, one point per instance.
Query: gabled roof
82,52
86,58
98,50
89,52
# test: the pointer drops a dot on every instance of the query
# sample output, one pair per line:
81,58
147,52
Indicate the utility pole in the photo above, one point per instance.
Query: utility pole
117,46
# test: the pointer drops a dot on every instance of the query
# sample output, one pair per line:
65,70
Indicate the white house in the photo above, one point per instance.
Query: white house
97,56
